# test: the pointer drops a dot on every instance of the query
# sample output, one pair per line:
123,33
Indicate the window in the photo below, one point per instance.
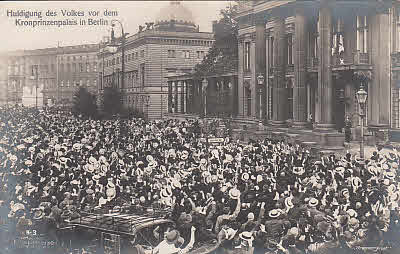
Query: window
290,49
87,67
338,41
142,69
362,34
113,61
129,57
88,82
142,53
186,54
136,55
95,67
171,54
80,83
247,55
117,60
95,83
80,67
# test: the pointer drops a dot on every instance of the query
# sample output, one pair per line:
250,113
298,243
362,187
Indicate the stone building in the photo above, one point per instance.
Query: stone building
169,46
314,55
61,70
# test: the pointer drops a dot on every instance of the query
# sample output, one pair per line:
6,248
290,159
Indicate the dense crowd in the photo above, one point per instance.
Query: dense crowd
262,197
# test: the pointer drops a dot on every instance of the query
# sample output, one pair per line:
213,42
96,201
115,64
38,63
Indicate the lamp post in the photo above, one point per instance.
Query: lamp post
114,47
260,82
35,76
361,99
204,90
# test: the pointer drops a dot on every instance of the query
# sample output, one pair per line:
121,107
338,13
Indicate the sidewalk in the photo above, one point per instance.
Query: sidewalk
354,149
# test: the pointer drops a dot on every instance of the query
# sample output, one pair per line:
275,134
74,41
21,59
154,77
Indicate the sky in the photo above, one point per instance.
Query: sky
18,34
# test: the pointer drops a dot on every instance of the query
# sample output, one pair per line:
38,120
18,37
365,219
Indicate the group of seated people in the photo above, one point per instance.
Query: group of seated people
266,196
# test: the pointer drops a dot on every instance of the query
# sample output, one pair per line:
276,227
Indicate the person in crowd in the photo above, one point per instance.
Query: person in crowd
264,196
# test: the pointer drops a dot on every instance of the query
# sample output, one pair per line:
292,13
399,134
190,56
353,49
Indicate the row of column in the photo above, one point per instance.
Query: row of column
325,97
216,96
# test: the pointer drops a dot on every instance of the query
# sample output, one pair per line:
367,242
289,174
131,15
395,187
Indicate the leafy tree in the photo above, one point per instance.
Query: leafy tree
84,103
223,55
112,101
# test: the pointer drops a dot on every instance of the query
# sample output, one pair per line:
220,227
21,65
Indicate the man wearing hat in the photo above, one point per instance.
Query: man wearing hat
171,244
235,194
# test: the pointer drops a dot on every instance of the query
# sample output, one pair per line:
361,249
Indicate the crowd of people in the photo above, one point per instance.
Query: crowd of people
266,196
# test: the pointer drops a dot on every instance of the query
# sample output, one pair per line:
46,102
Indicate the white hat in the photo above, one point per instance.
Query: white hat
288,202
246,236
250,216
234,193
313,202
274,213
245,176
352,213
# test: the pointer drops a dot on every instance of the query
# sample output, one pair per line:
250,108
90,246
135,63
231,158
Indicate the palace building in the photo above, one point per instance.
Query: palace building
169,46
60,72
314,56
301,64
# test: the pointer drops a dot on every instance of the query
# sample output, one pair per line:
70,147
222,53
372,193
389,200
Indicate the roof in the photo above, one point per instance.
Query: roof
175,11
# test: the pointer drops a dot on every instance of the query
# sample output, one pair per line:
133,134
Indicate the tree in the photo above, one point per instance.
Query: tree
84,103
112,101
223,55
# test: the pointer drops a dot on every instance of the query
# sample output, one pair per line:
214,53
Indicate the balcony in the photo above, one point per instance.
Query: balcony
312,63
361,58
290,69
395,59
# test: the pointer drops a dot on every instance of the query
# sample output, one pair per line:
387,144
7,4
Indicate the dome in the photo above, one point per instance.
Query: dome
175,17
175,11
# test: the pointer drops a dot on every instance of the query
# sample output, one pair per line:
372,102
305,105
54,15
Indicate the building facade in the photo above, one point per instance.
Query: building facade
170,46
314,56
48,76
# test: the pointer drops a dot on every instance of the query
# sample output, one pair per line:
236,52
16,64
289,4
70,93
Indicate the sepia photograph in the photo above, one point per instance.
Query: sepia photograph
200,127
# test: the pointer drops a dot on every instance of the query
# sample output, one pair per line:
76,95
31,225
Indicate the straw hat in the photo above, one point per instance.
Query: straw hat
245,176
313,202
288,202
38,214
234,193
246,236
274,213
352,213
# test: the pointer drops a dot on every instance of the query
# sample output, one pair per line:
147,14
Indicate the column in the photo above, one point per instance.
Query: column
240,78
300,54
324,107
379,90
279,90
183,97
188,102
260,67
176,97
169,97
